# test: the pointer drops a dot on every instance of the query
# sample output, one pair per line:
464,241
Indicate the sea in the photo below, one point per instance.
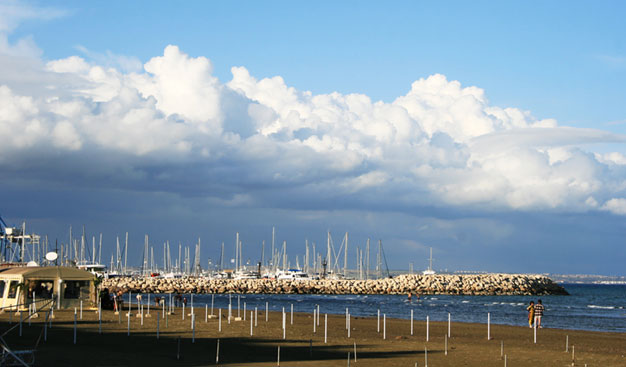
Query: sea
588,307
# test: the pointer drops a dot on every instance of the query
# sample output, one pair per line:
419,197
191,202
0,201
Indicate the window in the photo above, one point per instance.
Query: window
13,289
75,289
41,288
2,283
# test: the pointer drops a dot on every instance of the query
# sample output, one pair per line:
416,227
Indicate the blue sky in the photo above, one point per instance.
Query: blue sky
509,142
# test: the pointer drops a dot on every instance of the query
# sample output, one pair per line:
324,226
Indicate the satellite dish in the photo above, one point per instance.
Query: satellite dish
31,263
51,256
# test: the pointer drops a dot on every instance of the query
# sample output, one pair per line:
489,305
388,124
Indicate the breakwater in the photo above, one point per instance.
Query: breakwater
474,284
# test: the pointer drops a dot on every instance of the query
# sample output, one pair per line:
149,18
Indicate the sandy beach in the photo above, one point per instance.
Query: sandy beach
467,346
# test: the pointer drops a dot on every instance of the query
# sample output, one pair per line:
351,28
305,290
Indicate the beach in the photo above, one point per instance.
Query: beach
467,346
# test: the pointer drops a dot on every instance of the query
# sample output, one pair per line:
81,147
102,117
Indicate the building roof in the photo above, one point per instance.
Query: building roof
48,272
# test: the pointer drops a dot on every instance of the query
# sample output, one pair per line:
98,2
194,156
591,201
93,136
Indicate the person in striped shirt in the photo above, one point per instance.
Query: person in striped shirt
539,313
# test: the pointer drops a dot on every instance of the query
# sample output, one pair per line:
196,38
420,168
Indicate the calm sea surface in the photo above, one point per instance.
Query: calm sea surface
588,307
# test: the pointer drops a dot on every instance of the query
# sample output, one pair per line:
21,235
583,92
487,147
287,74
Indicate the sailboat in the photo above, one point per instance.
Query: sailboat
430,270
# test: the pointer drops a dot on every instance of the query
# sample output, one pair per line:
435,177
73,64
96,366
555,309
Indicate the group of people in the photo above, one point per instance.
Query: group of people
535,313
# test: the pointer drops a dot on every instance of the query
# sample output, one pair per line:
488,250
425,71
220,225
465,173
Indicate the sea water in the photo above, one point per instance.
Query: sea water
588,307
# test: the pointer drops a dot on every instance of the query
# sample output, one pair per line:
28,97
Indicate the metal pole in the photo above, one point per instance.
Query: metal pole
325,327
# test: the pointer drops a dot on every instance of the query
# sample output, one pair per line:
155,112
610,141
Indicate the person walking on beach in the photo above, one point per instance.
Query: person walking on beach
539,313
531,314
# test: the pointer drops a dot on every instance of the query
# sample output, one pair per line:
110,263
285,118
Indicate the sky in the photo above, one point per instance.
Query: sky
493,133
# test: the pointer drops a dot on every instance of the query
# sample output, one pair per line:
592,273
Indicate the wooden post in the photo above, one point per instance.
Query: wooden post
449,325
206,313
325,327
384,326
266,311
488,326
378,322
427,328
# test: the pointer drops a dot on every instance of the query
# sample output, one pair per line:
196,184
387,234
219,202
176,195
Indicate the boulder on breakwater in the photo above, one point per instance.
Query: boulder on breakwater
474,284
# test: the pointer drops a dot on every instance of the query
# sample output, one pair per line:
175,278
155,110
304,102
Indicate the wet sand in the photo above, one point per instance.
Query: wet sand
468,345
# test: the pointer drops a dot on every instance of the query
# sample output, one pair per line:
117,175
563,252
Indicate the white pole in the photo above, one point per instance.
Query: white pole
238,305
284,324
411,322
212,300
384,326
446,341
148,303
535,331
128,325
251,323
206,313
256,314
278,357
217,353
488,326
448,324
425,356
81,309
219,318
141,313
378,322
566,343
230,312
318,315
505,360
501,348
266,311
427,328
349,327
355,351
314,319
244,311
291,314
346,318
74,324
193,328
163,306
183,316
325,327
99,318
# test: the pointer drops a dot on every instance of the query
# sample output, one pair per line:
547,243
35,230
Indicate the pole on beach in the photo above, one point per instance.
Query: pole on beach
411,322
384,326
346,318
535,331
230,312
266,311
349,327
355,351
244,311
449,325
251,324
325,328
130,302
219,318
170,304
81,309
99,318
193,328
148,305
291,314
348,359
318,315
284,324
505,360
446,344
566,343
278,357
501,348
74,325
238,305
212,300
217,353
314,320
256,316
141,314
128,325
206,313
573,355
167,318
427,328
425,356
183,311
488,326
378,322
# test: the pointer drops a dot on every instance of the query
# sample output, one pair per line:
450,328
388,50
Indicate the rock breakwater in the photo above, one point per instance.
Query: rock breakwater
475,284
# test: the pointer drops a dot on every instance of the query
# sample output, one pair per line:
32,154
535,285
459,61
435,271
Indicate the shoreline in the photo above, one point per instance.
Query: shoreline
468,344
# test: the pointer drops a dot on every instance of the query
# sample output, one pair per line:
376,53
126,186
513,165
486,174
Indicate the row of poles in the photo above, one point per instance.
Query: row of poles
164,313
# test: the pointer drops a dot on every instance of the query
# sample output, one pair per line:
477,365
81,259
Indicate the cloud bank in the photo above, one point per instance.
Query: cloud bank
174,127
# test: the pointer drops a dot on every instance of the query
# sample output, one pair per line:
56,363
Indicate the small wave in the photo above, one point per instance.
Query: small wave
465,301
602,307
